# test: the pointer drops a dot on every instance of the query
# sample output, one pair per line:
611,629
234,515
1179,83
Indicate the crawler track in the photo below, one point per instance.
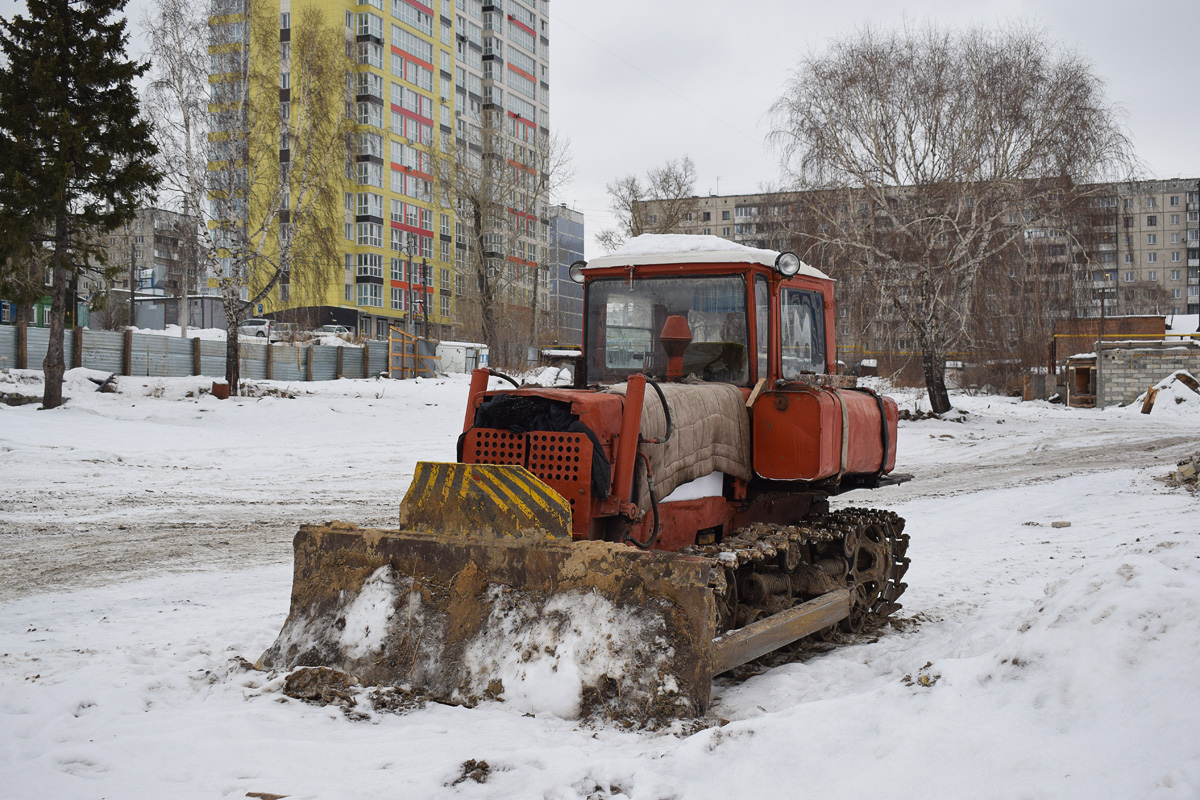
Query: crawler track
766,568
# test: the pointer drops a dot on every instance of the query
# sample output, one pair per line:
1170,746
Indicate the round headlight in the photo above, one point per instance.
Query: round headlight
576,271
788,264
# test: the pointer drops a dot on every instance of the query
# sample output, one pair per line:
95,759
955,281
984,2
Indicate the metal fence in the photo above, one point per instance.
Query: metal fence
148,355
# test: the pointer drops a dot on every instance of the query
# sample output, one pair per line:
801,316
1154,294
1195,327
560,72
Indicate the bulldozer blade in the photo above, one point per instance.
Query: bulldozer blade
493,499
549,625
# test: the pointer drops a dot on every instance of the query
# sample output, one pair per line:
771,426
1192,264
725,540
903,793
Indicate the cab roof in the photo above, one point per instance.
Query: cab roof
676,248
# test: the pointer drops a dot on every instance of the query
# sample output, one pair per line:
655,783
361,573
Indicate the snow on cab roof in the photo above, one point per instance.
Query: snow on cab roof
678,248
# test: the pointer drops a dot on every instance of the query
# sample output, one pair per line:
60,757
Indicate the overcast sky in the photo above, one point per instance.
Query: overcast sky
636,82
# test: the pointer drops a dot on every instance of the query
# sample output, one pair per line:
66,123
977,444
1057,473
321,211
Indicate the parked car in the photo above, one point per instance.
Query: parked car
284,332
339,330
260,328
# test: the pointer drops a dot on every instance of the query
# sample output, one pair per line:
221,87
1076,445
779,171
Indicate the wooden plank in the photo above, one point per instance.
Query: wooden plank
758,387
759,638
1148,403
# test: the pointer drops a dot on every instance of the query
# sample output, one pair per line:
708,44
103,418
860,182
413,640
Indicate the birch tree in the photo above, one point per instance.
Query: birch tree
923,154
261,151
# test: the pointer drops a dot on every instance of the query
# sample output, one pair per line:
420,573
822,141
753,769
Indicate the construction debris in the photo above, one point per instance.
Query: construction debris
916,415
1185,474
320,685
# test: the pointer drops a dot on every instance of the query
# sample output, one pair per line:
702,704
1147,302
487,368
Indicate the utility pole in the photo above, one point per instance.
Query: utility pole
132,281
424,299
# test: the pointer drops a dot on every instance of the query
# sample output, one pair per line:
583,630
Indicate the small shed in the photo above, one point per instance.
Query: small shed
1081,380
463,356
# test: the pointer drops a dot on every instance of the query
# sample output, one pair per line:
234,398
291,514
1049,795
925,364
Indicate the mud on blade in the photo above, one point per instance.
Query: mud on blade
466,612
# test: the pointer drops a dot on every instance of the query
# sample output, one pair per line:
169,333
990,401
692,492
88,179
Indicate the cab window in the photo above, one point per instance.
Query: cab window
802,332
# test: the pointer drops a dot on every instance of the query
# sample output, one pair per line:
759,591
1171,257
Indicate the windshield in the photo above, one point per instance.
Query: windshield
624,319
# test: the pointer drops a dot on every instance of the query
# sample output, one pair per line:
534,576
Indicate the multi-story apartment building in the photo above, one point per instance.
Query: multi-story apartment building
151,247
424,73
564,325
1132,250
1141,238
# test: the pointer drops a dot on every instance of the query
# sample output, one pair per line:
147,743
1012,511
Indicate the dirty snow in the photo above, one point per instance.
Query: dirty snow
147,545
545,656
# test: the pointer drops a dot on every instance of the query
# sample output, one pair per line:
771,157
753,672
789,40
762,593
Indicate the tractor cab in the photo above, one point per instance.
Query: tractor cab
746,314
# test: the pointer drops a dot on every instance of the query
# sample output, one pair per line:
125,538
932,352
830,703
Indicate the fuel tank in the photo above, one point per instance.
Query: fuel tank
808,433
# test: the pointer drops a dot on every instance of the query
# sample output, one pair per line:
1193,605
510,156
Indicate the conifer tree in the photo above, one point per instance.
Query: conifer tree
74,153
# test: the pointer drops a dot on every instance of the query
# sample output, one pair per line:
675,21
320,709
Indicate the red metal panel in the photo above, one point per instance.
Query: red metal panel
563,461
491,446
798,433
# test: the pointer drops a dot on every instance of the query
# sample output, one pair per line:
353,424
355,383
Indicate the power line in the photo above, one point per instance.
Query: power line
558,19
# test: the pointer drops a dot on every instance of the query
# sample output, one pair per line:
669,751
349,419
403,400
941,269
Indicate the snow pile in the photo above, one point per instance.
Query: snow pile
544,654
215,334
649,244
549,376
368,616
1175,396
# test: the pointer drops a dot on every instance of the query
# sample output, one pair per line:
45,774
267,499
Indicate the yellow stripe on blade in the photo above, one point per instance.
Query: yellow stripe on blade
498,499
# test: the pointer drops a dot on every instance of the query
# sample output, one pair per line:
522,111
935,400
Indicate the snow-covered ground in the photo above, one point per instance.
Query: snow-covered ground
146,545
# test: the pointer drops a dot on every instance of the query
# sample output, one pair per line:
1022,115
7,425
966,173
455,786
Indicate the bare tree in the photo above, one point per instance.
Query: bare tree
672,189
925,153
500,174
177,98
280,138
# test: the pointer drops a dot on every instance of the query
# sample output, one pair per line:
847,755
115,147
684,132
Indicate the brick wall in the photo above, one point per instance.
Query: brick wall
1127,372
1075,336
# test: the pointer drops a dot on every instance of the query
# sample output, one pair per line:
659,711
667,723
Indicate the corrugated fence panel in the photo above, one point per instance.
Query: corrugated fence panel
39,340
103,350
148,355
212,358
8,347
352,362
179,357
284,359
324,363
379,357
254,361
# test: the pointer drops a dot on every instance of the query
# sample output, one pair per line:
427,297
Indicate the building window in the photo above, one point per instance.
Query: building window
1151,220
1174,219
1174,238
1152,275
397,269
370,234
1174,200
397,299
1151,238
724,215
1151,258
725,231
370,294
1174,256
1151,202
707,216
1176,294
1129,277
1129,258
1175,274
370,264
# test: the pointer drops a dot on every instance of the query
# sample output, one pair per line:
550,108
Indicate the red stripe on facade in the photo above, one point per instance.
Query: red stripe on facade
522,25
521,72
421,7
405,54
